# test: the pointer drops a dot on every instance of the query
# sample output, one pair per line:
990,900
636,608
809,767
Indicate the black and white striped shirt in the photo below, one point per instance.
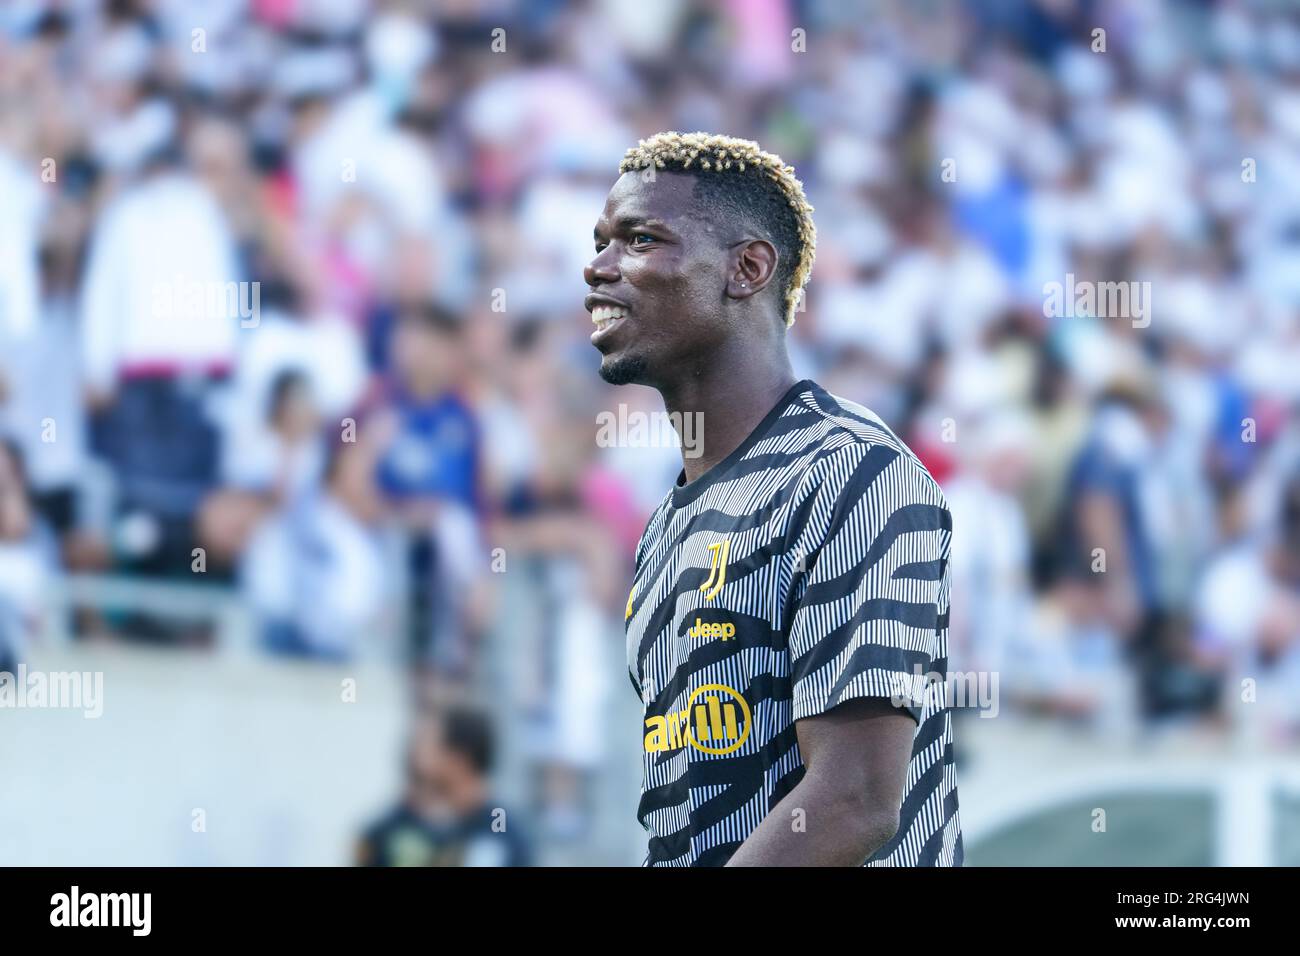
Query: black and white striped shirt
808,568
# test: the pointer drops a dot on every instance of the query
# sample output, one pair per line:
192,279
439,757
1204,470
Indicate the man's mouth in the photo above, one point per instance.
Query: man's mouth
606,317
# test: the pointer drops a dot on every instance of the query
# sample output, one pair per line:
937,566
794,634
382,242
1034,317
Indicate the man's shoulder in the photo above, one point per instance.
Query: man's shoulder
858,437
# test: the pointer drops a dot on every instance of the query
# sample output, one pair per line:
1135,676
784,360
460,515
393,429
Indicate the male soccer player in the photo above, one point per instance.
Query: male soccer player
787,624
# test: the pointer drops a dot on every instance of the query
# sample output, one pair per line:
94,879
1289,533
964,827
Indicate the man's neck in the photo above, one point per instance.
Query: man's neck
724,406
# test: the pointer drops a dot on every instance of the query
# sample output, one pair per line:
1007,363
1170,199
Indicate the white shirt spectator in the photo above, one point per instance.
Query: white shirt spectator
43,411
19,269
327,350
1233,596
161,255
321,570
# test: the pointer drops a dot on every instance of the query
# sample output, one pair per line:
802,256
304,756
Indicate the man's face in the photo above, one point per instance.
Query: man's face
424,357
658,280
430,770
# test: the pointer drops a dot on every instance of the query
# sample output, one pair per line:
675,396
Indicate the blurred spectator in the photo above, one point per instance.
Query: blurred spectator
429,436
1109,542
20,238
991,595
427,442
319,346
561,527
1248,615
274,463
160,315
286,457
314,573
27,558
40,399
447,815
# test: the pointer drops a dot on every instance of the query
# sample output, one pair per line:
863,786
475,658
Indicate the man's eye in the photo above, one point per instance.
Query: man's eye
637,237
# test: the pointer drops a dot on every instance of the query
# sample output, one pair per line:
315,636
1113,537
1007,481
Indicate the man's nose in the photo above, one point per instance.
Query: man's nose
601,269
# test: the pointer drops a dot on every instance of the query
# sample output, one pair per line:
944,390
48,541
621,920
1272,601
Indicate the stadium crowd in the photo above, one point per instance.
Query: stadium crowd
299,283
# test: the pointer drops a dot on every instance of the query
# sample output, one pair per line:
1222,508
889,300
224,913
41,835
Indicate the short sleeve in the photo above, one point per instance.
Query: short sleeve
868,607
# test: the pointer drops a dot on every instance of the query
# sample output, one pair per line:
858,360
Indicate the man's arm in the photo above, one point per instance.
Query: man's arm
864,627
846,806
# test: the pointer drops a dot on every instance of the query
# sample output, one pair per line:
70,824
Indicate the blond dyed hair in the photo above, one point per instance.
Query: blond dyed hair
722,155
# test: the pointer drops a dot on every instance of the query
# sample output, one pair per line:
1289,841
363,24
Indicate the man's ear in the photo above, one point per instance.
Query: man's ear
753,268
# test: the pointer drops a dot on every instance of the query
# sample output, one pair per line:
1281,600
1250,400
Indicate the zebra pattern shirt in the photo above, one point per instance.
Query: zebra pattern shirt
808,568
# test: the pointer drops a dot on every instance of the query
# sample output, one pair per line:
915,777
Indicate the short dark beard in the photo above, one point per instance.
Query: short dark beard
628,370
